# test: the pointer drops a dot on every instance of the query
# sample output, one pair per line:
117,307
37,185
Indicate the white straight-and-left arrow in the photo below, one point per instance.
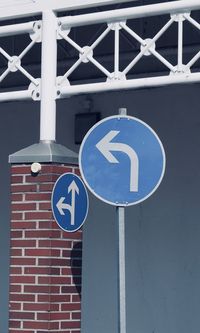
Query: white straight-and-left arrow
73,188
106,147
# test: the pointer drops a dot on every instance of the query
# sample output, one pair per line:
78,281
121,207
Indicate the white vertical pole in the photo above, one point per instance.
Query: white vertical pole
180,42
121,263
116,52
49,66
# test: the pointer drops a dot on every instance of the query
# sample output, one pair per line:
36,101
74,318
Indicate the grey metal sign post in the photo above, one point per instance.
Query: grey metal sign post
121,262
121,271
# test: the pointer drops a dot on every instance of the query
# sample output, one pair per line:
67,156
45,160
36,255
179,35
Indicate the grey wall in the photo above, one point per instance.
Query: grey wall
162,233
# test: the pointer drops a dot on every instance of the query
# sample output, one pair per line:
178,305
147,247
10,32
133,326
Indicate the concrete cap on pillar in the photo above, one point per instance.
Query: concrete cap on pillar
45,152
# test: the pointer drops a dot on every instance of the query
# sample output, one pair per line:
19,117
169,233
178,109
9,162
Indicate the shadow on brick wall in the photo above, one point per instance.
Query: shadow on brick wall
76,265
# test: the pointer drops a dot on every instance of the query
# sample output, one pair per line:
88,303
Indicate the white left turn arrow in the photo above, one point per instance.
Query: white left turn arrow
106,147
61,205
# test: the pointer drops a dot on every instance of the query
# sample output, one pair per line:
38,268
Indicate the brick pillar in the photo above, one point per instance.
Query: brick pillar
45,264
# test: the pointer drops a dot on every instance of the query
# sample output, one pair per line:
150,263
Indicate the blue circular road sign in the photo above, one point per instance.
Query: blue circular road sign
69,202
122,160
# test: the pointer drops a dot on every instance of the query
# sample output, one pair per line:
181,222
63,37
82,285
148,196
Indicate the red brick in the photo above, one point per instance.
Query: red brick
23,206
44,262
71,235
54,325
14,288
22,261
60,262
22,297
38,216
70,324
60,316
69,290
76,315
45,206
71,306
43,298
16,216
36,324
46,225
42,234
22,279
36,306
66,271
16,234
37,289
23,188
54,280
15,252
59,298
16,197
46,187
21,170
22,315
43,316
23,243
77,172
16,179
14,324
38,197
15,270
15,306
23,225
45,243
37,270
61,244
38,252
55,271
54,307
76,298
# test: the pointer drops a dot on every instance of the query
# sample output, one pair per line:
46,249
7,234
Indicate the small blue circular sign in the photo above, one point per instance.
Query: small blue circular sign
69,202
122,160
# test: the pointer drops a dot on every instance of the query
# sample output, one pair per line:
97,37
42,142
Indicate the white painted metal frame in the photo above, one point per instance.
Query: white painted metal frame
52,28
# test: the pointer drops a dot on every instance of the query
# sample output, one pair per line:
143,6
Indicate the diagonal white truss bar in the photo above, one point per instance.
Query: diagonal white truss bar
83,54
18,65
151,50
192,21
148,46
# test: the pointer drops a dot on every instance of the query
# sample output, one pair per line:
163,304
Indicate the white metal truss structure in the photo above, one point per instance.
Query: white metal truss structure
51,28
